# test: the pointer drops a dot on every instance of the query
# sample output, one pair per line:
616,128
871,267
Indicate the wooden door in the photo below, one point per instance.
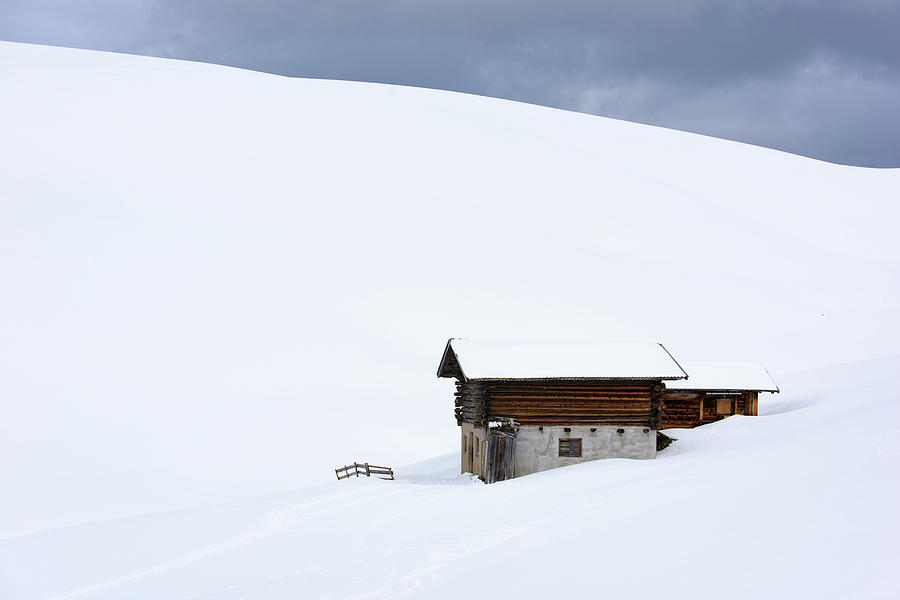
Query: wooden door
500,459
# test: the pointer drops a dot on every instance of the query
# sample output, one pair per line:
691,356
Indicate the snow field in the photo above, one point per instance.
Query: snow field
794,503
221,284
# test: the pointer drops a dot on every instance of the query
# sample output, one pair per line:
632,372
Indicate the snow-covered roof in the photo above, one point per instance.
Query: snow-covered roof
725,376
478,359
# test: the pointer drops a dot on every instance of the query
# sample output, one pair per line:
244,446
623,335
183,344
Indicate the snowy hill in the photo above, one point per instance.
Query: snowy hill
220,284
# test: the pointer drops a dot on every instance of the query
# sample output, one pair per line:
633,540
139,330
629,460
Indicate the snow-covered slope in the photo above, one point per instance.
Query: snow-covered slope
219,283
799,502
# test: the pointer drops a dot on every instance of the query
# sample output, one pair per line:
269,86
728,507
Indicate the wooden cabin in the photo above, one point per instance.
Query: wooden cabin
713,391
525,407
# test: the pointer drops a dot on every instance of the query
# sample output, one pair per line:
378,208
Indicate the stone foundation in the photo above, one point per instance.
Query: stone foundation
537,448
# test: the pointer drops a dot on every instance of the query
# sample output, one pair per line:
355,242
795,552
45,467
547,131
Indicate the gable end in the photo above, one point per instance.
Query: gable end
449,366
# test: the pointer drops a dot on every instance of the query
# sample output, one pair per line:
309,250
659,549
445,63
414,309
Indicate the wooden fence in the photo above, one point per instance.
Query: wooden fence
364,469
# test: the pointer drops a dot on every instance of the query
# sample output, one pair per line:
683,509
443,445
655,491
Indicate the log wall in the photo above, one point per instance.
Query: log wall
471,404
709,409
573,402
679,409
751,404
691,408
553,402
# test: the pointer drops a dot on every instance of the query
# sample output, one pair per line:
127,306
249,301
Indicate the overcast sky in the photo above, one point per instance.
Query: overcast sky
815,78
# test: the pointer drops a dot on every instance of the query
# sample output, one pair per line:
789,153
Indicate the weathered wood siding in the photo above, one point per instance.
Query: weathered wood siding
709,409
595,403
573,402
686,408
500,456
679,409
751,404
450,367
471,404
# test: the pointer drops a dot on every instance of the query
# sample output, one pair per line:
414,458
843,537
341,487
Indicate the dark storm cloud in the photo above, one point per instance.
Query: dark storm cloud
816,78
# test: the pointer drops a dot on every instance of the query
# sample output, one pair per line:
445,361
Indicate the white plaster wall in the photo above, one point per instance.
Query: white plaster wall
538,450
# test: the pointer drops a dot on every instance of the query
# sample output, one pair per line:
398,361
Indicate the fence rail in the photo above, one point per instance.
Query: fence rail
364,469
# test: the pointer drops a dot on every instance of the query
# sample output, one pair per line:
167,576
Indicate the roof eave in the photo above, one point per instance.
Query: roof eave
680,368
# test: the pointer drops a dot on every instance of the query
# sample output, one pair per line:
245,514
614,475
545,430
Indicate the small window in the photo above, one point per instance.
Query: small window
570,447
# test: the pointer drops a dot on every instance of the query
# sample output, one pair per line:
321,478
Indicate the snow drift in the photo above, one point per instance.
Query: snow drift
796,503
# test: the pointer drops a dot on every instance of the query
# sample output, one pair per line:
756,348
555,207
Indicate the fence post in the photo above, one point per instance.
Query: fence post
356,469
367,470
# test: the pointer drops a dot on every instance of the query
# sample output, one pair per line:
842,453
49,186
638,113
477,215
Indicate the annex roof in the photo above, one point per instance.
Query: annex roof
477,359
725,376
